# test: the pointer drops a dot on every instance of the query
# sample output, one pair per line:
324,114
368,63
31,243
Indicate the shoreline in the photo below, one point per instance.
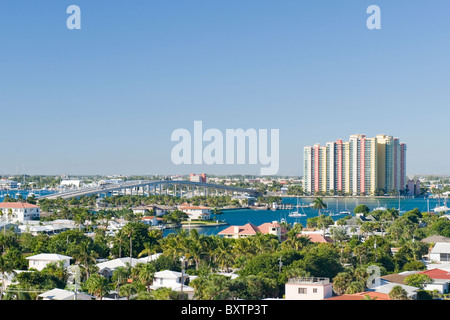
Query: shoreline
195,225
343,197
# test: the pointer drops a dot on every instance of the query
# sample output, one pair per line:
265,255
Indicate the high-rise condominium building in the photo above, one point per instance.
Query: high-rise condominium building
358,166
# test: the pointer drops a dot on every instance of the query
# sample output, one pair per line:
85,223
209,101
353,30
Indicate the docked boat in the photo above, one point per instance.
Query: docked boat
441,209
296,213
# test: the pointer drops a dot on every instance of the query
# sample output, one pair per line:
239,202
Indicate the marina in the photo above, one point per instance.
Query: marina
257,217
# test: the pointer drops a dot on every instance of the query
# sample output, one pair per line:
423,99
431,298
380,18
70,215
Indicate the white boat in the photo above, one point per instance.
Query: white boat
379,207
441,209
337,213
296,213
345,211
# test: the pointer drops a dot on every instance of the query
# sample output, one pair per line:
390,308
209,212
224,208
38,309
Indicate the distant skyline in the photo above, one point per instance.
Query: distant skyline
105,99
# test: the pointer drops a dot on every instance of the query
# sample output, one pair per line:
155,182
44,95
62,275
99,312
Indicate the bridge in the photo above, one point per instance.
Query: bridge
147,187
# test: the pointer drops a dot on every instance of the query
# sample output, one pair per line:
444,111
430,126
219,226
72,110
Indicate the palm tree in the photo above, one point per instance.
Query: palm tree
398,293
223,253
319,204
127,290
144,273
129,231
97,285
5,267
85,256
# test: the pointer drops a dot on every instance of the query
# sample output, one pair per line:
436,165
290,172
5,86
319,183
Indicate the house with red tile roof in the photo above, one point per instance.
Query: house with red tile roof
316,237
151,220
19,211
196,212
250,229
362,296
441,280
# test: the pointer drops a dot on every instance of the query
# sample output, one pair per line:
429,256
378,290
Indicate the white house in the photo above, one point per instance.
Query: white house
386,287
441,280
107,268
41,260
308,288
19,212
60,294
440,252
173,280
151,220
196,212
50,228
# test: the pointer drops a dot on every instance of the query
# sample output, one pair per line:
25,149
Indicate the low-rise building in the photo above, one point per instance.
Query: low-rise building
196,212
19,211
441,280
173,280
308,288
40,261
250,229
440,252
61,294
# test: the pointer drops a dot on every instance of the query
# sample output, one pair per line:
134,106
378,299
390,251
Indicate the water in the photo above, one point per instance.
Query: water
15,193
258,217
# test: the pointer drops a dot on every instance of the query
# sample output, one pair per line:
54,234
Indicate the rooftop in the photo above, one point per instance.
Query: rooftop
17,205
309,280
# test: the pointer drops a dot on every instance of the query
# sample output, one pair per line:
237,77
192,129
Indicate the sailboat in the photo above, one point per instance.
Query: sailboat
337,213
345,211
443,208
296,213
380,208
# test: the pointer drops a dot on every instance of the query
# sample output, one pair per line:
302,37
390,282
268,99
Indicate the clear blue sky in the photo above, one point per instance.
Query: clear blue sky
105,99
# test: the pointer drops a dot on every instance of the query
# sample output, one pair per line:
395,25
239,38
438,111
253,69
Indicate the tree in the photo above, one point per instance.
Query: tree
97,285
398,293
127,290
319,204
418,280
212,287
144,273
323,222
341,282
362,208
5,267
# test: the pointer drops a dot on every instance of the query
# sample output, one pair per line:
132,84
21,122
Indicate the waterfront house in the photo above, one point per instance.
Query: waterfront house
40,261
196,212
151,220
250,229
19,211
308,288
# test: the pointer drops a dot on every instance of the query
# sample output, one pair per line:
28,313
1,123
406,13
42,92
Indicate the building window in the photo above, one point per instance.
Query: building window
445,257
314,290
301,290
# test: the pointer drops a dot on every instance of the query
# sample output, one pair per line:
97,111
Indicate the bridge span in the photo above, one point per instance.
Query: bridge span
147,187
